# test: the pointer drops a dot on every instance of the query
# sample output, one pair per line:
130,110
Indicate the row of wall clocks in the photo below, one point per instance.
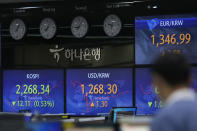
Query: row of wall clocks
79,27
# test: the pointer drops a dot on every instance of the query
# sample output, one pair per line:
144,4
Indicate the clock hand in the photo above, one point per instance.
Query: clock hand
46,28
18,25
79,25
111,25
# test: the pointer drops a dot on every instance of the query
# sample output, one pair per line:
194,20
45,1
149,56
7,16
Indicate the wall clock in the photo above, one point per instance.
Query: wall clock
79,27
48,28
17,29
112,25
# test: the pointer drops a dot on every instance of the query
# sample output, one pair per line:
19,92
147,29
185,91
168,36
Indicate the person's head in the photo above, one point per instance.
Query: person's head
171,72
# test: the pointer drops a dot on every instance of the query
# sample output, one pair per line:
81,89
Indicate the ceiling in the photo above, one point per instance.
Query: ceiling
17,1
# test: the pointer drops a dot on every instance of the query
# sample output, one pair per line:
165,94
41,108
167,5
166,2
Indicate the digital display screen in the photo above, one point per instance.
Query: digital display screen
158,35
97,91
194,74
33,91
43,126
147,100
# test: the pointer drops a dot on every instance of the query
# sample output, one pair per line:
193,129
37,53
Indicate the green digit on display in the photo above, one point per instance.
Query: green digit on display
35,91
26,89
18,90
47,89
43,91
30,89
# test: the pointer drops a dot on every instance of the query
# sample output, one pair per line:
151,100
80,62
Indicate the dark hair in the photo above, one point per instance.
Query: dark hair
173,68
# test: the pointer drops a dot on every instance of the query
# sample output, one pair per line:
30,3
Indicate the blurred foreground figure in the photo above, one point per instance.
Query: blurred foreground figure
172,77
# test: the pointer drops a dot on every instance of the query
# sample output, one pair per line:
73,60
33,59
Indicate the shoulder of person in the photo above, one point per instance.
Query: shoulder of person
177,111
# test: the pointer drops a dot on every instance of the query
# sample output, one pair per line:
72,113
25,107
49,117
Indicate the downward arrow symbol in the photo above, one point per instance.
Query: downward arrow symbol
150,104
13,103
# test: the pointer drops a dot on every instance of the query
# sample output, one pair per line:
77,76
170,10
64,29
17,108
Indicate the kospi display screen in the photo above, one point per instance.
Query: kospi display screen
33,91
97,91
147,99
158,35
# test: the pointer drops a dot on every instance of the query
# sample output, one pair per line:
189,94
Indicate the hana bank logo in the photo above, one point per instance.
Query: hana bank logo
152,23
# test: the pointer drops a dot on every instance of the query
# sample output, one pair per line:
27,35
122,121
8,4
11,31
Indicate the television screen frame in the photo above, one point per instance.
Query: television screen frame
30,69
97,68
156,15
149,70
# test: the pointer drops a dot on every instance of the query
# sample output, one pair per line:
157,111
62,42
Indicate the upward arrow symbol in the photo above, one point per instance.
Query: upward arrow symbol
92,104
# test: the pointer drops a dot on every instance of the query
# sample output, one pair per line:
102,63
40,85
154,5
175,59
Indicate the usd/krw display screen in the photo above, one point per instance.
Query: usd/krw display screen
147,99
158,35
33,91
97,91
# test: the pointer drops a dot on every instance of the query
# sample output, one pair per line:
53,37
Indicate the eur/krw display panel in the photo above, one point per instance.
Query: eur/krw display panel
147,99
158,35
194,75
97,91
33,91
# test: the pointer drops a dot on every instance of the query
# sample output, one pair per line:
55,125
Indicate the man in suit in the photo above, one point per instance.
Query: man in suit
172,76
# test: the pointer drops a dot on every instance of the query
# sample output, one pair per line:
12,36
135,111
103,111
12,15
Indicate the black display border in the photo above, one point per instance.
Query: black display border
2,79
133,66
149,66
1,74
96,68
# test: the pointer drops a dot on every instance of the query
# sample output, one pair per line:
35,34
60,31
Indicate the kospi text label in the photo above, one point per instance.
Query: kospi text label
33,76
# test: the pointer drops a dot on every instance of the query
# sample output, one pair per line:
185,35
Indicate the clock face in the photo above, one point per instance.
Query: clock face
112,25
48,28
79,27
17,29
